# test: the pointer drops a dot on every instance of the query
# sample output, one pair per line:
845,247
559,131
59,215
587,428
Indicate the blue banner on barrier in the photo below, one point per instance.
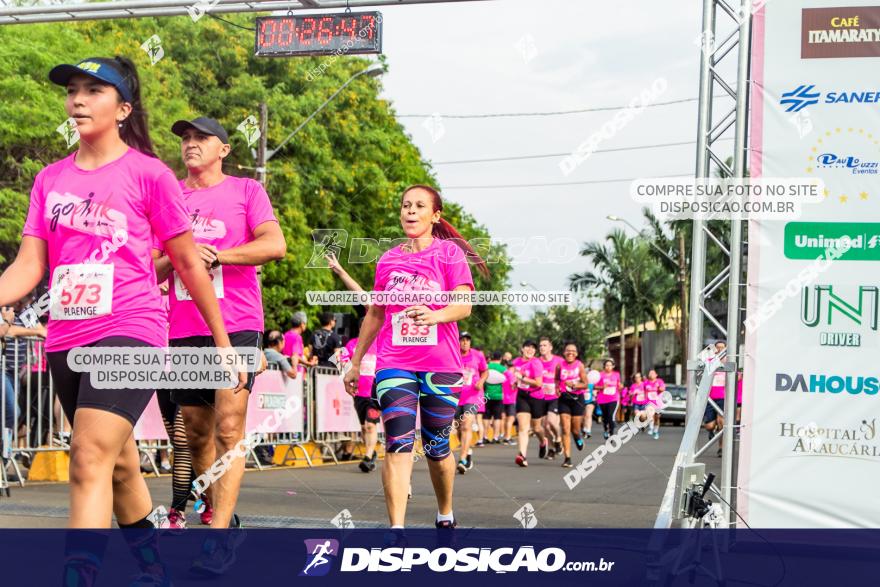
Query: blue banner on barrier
474,557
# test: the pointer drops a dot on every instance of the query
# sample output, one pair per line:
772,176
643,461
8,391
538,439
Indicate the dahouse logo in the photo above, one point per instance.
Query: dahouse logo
840,32
807,95
827,384
841,320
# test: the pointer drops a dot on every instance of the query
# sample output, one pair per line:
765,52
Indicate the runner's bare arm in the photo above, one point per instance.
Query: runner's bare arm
162,264
268,245
339,270
189,266
451,313
369,330
25,273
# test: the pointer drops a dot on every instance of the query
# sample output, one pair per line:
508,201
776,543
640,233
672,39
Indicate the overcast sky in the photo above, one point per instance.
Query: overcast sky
526,56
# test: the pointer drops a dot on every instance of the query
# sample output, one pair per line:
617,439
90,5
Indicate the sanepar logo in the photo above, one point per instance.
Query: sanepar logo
833,384
806,95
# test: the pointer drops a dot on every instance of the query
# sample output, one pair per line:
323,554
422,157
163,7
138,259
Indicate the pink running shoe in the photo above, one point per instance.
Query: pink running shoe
207,516
176,519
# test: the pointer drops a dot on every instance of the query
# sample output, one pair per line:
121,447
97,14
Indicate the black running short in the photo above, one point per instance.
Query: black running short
75,390
494,409
552,405
572,404
536,406
368,410
205,397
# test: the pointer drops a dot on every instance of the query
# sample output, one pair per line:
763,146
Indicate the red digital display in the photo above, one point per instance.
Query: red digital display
319,34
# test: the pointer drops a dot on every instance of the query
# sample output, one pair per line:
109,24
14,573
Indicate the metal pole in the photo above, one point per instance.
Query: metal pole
734,284
262,147
698,243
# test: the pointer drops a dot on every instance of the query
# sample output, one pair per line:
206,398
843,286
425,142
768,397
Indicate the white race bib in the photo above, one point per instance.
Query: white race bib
216,275
652,395
80,292
640,396
718,379
549,388
609,389
405,332
368,366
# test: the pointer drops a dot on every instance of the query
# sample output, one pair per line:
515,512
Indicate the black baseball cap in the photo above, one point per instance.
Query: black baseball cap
209,126
466,335
106,70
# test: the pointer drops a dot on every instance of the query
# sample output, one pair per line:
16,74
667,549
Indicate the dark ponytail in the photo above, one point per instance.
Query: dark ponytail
445,231
134,129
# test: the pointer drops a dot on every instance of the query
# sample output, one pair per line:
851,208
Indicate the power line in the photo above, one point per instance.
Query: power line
550,155
555,113
566,183
235,24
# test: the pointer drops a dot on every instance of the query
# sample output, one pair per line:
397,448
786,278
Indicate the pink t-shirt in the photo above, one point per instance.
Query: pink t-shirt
533,369
135,199
739,390
607,387
637,394
368,366
549,378
717,389
442,266
654,389
508,388
570,372
293,345
473,365
224,215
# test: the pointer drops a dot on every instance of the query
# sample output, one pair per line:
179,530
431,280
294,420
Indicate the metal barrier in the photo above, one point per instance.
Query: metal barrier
40,424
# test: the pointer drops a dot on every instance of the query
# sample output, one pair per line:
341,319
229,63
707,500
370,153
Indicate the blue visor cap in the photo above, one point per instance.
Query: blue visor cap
105,70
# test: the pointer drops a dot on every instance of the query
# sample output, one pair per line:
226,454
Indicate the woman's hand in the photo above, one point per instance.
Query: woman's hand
351,380
422,315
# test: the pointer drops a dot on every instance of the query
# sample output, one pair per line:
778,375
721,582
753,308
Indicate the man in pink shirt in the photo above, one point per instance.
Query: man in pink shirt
474,373
293,344
235,230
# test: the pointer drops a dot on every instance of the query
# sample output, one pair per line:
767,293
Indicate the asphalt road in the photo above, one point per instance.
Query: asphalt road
624,491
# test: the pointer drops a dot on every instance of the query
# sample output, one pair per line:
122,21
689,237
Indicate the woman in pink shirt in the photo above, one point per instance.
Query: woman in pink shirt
418,366
530,404
654,389
92,219
572,385
639,397
608,395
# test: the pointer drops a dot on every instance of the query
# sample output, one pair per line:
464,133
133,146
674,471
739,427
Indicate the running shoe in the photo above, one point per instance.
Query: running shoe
551,454
480,443
395,538
81,569
567,463
579,443
176,520
605,435
218,552
470,462
511,442
159,578
445,524
589,434
368,465
542,450
557,446
462,467
165,467
656,435
207,516
521,460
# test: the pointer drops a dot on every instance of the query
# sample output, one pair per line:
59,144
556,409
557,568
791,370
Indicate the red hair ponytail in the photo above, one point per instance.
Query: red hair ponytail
445,231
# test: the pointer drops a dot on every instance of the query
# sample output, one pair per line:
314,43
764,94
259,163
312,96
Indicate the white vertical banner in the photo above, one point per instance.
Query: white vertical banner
811,404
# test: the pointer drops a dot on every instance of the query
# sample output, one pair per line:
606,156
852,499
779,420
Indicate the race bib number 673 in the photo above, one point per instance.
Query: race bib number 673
80,292
405,332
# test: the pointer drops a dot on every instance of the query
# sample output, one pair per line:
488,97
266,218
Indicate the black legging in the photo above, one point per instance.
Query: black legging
182,473
609,410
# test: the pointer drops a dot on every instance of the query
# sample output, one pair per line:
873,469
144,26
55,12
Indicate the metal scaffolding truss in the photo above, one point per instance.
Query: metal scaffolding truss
23,12
724,91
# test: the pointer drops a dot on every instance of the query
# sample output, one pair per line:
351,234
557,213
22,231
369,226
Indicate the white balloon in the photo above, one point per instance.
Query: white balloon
593,377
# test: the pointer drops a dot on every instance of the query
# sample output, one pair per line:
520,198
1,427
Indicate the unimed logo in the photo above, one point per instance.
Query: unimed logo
320,555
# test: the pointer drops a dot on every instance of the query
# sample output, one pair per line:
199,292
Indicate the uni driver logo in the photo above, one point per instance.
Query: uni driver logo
320,555
799,98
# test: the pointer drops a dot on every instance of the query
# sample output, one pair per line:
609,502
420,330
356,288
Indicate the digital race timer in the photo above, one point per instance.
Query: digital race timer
319,34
